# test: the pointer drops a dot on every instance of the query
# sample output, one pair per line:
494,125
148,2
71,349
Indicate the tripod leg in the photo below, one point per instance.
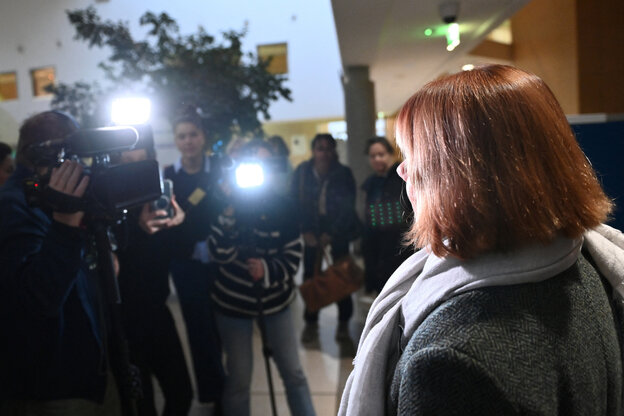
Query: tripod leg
266,350
285,353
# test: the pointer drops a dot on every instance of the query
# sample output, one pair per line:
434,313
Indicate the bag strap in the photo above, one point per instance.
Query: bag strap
327,255
318,261
322,253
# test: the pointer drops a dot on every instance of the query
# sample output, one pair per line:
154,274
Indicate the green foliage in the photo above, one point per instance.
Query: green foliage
227,87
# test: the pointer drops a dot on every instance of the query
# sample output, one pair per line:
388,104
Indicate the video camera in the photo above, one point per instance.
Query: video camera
113,187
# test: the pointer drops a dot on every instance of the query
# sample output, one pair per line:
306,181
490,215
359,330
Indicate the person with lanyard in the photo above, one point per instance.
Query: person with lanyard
193,178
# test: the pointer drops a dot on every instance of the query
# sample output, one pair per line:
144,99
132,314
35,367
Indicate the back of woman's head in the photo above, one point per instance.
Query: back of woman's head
494,164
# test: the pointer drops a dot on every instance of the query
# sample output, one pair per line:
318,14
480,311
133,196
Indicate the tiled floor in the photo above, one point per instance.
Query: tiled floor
327,365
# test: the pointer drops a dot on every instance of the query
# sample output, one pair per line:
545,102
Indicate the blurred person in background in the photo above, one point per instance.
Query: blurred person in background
325,193
513,305
234,147
257,245
194,177
387,212
281,152
7,165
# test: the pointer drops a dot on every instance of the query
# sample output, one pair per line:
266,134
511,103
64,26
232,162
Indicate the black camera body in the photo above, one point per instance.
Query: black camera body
164,201
112,188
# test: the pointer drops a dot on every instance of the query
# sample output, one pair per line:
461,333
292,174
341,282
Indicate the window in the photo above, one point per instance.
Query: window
278,53
41,78
8,86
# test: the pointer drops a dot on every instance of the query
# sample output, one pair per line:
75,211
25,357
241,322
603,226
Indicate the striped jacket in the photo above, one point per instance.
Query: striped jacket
272,235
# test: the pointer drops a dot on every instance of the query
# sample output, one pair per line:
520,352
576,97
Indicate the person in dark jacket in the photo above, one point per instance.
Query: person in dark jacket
194,177
146,249
513,305
257,245
53,355
325,193
387,211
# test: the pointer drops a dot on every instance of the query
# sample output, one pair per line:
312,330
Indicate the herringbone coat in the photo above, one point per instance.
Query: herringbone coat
548,348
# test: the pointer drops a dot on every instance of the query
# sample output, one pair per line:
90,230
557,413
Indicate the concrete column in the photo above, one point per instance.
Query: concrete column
360,113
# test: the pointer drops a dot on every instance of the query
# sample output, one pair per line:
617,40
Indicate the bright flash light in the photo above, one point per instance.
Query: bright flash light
452,36
468,67
249,175
131,111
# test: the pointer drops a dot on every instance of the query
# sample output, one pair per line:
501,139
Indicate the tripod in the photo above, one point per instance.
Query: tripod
266,349
127,376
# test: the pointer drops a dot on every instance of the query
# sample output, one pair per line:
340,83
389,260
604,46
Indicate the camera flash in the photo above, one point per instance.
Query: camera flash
131,111
249,175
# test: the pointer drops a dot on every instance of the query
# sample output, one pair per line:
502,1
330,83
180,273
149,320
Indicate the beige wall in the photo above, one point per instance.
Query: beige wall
577,47
545,43
601,55
296,131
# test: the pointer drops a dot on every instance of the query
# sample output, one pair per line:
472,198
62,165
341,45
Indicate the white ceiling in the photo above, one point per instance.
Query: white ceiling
388,37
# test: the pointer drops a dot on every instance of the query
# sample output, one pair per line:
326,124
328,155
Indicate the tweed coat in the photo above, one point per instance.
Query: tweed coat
544,348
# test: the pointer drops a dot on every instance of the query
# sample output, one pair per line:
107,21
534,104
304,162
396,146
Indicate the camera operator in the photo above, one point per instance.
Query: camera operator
257,244
54,359
145,251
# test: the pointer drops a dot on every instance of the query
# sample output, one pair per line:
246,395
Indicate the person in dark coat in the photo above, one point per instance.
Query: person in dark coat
387,211
53,357
146,249
325,193
513,304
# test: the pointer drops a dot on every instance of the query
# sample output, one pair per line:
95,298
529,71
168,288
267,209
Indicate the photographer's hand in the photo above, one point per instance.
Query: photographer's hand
325,239
310,239
68,179
149,222
178,214
255,268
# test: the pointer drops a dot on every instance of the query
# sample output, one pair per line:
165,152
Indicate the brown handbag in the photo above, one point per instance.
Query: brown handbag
339,280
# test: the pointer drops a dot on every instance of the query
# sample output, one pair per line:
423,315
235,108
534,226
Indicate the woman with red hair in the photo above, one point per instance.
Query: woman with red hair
508,308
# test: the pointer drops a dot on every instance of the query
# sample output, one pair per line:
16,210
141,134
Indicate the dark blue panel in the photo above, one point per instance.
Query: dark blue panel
603,143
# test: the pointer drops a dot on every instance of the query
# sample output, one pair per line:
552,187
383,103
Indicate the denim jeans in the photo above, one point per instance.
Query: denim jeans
236,335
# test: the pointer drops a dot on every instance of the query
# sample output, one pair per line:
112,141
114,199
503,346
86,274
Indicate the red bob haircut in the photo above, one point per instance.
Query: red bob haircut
493,164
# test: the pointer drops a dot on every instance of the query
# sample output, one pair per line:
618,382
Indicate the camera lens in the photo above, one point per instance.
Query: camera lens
162,202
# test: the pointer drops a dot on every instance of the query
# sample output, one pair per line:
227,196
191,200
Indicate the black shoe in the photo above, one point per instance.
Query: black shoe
342,332
310,335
